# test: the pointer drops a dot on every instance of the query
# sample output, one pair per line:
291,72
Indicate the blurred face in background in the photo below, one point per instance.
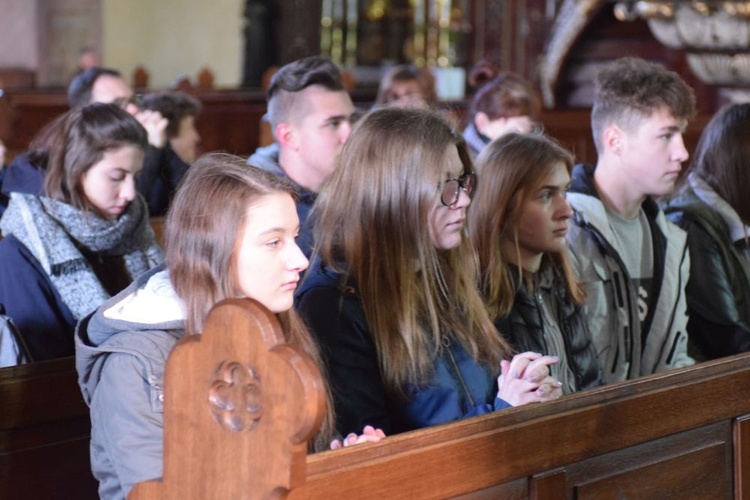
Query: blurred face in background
185,143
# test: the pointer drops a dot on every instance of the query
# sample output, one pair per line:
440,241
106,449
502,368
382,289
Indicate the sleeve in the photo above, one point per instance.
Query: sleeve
150,181
45,323
126,427
715,324
350,359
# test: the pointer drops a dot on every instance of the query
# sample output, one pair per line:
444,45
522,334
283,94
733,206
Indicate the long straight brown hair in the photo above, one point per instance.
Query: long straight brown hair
510,169
201,237
373,213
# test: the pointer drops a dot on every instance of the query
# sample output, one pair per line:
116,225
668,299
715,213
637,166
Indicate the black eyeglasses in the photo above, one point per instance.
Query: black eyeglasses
451,189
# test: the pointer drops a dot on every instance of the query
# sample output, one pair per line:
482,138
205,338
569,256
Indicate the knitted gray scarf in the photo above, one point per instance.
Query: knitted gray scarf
51,229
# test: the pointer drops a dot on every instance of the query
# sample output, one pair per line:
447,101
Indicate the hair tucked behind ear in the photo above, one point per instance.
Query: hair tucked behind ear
201,232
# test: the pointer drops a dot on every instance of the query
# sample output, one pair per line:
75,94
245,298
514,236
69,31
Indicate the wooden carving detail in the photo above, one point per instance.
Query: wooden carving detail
235,396
573,17
259,448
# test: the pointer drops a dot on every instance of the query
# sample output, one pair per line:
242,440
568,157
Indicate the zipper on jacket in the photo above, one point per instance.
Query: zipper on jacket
447,345
674,311
607,251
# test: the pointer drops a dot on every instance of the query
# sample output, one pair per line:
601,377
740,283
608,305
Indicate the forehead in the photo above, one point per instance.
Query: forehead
557,175
319,103
107,88
660,119
274,210
454,167
128,157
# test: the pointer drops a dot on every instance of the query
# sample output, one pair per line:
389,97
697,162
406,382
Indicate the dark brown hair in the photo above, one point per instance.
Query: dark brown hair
630,89
76,141
502,94
722,157
293,78
174,106
406,73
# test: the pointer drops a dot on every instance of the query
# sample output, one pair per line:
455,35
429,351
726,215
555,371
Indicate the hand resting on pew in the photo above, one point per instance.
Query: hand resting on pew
525,379
369,435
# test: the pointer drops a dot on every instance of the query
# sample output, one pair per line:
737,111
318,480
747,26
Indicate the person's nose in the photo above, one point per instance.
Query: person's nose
296,260
564,210
680,152
344,130
127,192
463,201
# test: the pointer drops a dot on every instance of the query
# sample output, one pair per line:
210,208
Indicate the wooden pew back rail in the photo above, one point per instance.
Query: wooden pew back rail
682,434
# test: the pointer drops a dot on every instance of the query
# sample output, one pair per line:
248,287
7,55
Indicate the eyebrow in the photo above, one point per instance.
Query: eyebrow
277,230
336,118
673,128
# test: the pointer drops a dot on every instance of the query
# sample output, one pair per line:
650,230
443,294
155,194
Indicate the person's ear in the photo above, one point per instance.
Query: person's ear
481,120
613,139
286,136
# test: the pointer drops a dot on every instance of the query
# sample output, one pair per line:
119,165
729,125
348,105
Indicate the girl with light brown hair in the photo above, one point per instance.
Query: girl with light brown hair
518,225
230,232
393,301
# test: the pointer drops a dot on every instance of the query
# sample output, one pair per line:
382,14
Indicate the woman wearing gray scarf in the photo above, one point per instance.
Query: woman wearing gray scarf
86,238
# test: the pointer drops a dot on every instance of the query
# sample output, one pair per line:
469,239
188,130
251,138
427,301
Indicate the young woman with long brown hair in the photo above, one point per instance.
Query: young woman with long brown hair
518,224
230,232
393,300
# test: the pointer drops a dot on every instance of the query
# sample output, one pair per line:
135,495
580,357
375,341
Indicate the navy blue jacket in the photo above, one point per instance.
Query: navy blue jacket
37,309
458,388
21,176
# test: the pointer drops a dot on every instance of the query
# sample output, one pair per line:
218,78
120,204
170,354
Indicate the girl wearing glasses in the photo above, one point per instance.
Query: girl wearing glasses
66,251
392,298
519,225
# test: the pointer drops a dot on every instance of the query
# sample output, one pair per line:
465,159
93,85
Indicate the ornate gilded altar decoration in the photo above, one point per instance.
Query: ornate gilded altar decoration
572,18
428,40
715,36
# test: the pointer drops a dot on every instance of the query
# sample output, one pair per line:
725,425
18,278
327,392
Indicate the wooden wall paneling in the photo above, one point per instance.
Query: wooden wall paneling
693,464
742,457
549,485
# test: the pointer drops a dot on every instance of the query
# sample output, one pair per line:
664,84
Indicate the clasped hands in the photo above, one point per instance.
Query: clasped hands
526,379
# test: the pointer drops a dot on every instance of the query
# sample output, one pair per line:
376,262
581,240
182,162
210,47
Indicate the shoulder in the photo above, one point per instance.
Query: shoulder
16,256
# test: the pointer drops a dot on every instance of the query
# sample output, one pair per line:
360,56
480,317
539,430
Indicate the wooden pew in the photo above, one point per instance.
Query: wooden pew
44,433
683,434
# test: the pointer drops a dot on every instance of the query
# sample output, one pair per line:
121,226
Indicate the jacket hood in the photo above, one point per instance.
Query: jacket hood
585,200
267,158
22,176
144,320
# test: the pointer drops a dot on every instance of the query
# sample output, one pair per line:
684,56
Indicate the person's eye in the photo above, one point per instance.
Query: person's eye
667,137
118,178
274,243
546,195
333,125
